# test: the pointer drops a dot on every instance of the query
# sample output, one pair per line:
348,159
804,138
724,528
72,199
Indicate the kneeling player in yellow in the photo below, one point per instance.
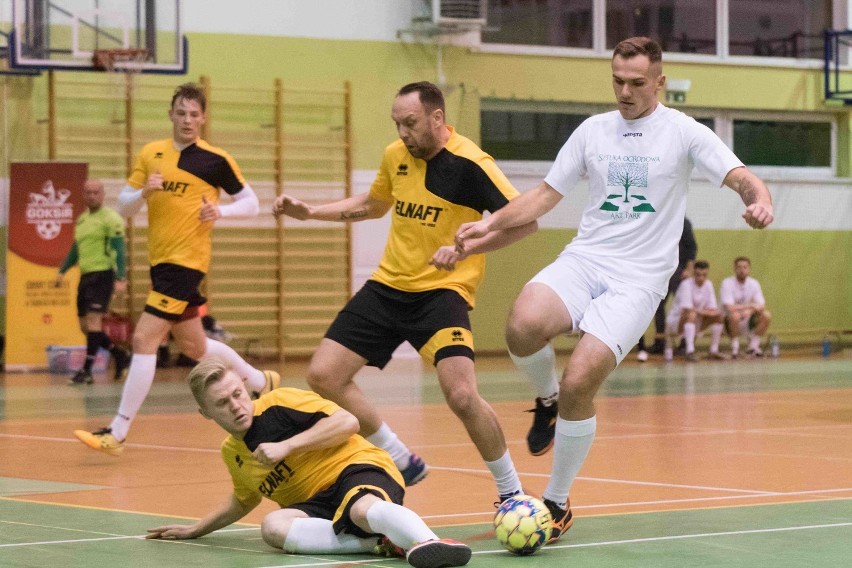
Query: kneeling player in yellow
339,493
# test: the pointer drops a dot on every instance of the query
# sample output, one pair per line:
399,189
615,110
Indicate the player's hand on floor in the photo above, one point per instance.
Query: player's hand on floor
172,532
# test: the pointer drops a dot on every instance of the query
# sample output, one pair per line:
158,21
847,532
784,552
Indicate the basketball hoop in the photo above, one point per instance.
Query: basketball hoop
121,64
119,60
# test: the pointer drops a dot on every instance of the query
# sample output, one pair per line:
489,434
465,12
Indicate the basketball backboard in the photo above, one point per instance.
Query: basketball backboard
66,34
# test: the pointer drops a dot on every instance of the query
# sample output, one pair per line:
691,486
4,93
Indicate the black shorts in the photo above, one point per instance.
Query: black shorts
94,292
174,295
354,482
379,318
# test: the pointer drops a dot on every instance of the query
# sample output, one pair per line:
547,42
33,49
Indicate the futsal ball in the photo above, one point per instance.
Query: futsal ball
522,524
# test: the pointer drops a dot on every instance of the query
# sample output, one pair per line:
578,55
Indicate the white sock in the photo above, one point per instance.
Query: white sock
402,526
140,375
716,331
317,536
540,369
386,439
504,473
254,378
689,336
570,448
754,345
735,346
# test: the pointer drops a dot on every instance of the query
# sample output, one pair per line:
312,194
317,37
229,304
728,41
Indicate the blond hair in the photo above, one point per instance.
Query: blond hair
208,371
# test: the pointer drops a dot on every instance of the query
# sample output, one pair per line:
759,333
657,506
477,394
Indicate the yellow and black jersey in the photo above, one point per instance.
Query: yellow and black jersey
431,199
279,415
175,234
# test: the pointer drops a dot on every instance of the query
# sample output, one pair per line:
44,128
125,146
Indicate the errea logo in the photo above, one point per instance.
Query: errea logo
402,170
632,135
457,335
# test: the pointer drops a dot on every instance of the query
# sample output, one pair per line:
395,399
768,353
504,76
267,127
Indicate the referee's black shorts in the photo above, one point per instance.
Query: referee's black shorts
94,292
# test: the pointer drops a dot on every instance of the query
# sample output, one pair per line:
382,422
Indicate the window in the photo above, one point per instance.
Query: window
526,135
683,26
789,29
777,143
778,28
561,23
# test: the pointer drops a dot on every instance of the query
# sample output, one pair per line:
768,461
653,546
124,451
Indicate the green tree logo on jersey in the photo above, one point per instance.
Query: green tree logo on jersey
627,175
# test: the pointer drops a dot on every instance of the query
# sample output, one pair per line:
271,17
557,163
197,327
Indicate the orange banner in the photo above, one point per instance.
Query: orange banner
44,201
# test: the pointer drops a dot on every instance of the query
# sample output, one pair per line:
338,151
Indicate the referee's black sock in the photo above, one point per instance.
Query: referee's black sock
93,342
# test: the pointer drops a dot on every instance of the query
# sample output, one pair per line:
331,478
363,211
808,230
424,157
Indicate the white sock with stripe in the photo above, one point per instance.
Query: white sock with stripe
140,376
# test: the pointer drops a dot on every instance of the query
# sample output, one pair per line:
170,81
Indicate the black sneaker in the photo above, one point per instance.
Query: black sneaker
657,347
541,434
562,519
415,471
122,363
81,377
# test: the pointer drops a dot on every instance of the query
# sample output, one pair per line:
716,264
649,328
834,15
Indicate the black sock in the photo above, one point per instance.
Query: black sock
93,342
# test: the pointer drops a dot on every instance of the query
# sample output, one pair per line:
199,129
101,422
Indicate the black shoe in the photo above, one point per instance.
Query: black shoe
163,357
81,377
541,434
184,361
657,348
504,496
122,363
562,519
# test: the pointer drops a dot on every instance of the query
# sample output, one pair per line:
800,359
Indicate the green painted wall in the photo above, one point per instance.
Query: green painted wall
806,276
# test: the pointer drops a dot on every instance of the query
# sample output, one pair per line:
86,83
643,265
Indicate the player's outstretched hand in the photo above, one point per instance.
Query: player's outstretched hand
445,258
470,231
172,532
292,207
759,215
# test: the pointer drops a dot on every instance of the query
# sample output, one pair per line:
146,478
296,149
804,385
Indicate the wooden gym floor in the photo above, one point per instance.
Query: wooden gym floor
745,463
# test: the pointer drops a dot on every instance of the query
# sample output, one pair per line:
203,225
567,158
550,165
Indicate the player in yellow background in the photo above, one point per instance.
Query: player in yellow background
337,492
433,179
99,250
179,178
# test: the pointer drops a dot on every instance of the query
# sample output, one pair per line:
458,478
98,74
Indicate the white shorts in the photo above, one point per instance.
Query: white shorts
615,312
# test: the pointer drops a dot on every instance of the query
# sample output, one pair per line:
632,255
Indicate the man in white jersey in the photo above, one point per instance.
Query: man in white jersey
609,280
694,309
745,308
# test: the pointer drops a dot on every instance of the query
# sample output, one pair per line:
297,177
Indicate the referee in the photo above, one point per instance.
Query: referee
99,250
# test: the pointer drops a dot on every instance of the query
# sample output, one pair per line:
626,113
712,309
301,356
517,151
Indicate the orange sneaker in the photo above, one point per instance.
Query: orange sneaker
562,519
273,381
101,440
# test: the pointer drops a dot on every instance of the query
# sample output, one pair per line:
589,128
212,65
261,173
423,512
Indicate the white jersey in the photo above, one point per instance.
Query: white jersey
733,292
689,296
638,179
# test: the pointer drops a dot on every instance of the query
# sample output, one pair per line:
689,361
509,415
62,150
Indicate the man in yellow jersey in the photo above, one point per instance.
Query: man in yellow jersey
337,492
434,180
99,250
179,178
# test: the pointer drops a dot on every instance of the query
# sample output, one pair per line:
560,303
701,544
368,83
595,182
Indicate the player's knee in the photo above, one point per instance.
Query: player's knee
463,401
323,380
767,316
273,530
525,327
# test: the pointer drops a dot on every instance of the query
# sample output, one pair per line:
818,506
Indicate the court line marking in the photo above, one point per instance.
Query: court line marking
602,543
110,536
621,481
667,501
